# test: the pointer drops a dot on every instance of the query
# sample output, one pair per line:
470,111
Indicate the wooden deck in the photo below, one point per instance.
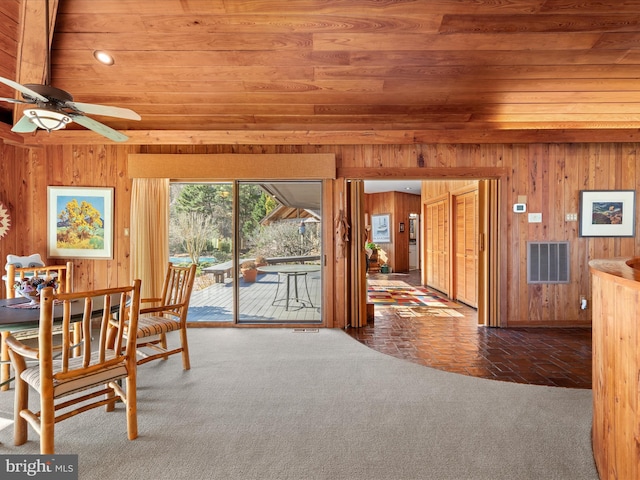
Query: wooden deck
256,301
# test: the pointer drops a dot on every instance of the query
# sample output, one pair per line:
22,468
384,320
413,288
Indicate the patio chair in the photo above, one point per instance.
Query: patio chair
74,384
169,314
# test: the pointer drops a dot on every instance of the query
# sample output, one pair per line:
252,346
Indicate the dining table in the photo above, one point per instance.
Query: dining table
16,316
289,274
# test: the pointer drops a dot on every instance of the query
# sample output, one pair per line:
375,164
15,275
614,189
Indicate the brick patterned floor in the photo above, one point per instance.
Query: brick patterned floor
541,356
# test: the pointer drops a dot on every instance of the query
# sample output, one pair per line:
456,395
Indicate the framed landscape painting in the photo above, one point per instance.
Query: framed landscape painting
80,222
607,213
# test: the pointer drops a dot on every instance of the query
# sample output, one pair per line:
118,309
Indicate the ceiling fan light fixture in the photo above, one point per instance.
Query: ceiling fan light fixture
103,57
48,120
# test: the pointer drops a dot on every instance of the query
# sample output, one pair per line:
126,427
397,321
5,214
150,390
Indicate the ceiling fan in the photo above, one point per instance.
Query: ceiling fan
54,109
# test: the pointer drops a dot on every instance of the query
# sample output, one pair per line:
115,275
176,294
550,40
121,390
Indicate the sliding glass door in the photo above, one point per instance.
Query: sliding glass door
201,231
280,248
258,247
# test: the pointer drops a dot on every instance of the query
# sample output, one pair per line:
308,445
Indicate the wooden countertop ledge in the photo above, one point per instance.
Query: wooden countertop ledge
616,366
628,268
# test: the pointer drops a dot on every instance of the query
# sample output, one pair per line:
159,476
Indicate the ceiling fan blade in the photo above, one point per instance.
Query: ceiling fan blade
105,110
100,128
24,125
14,100
24,90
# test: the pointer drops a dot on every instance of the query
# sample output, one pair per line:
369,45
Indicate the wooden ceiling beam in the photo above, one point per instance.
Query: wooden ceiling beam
9,137
359,137
467,99
33,47
460,122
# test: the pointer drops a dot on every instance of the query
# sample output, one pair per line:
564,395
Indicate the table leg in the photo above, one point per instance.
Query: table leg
295,279
293,294
288,290
306,287
297,292
275,297
5,367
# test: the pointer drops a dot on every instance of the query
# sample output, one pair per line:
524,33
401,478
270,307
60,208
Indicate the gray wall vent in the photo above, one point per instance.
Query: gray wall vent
547,262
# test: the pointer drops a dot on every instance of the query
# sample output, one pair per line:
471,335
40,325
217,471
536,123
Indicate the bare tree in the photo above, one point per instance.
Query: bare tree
284,238
194,229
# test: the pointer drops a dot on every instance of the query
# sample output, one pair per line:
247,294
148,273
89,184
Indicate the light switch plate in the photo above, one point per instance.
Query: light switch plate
535,218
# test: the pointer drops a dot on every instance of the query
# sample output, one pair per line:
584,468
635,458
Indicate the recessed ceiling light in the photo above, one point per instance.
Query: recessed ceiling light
103,57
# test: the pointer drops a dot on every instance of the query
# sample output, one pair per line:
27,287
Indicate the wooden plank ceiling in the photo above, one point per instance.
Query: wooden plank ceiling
352,65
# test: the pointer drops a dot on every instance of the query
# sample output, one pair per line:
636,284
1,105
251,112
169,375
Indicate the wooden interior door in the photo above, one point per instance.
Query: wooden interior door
466,247
437,244
357,286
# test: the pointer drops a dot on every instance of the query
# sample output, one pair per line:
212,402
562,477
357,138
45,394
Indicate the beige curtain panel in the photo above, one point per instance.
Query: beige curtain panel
150,233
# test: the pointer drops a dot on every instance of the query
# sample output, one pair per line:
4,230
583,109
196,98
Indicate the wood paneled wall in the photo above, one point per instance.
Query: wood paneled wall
404,205
549,175
399,205
9,38
26,173
377,204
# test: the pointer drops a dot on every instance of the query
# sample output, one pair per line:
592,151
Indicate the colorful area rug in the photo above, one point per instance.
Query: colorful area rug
408,297
408,312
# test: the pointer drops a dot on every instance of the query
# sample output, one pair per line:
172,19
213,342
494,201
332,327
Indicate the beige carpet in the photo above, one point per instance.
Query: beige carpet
278,404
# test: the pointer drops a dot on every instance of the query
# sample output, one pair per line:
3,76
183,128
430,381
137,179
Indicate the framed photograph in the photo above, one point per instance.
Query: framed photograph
401,227
381,228
607,213
80,222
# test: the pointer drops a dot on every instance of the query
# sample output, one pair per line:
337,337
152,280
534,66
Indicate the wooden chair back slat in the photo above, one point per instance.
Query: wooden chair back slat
64,273
168,314
177,289
92,302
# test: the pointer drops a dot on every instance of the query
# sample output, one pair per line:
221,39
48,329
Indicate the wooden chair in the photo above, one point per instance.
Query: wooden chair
169,314
72,385
17,269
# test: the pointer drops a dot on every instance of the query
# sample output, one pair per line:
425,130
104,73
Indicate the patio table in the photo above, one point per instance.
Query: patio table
291,272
